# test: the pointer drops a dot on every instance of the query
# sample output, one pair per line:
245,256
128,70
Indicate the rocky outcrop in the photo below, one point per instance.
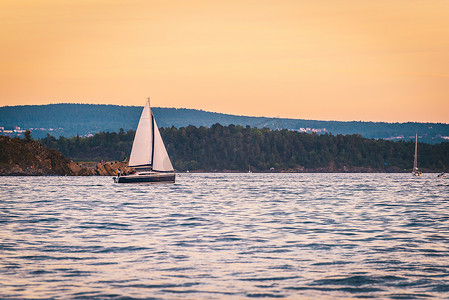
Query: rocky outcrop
110,168
21,157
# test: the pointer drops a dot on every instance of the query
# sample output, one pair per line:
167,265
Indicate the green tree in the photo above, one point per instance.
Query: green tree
28,136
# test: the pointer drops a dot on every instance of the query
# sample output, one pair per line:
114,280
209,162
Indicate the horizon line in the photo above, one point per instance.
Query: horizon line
229,114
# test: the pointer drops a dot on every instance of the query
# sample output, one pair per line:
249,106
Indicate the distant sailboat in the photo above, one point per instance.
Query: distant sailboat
148,155
415,171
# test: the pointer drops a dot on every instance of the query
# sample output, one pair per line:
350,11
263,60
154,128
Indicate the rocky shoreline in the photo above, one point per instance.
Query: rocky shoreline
30,158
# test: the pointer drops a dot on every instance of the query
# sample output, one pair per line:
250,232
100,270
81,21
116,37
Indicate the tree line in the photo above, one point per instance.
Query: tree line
238,148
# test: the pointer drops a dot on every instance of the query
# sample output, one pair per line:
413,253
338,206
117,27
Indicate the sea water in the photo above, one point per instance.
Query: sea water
225,236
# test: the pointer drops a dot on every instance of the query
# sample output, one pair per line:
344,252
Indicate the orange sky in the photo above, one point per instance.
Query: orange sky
322,59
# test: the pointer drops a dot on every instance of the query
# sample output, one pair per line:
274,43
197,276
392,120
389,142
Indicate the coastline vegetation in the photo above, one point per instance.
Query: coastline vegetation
238,148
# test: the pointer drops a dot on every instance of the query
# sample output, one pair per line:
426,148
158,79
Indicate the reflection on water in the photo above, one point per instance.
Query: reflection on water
226,236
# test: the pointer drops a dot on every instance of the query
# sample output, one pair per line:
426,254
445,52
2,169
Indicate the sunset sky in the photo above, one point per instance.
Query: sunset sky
323,59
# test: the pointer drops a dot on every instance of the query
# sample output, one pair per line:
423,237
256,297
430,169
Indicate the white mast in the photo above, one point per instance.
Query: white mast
415,162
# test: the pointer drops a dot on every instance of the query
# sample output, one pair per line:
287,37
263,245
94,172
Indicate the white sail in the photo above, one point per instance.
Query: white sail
415,171
161,161
148,154
143,140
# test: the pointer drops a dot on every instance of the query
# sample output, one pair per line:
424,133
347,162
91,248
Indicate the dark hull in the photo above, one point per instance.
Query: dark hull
151,178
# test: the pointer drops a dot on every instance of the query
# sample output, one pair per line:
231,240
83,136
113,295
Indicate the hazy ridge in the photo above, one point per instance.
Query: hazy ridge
83,119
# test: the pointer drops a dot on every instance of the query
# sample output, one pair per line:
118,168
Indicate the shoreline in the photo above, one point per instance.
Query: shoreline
218,172
30,158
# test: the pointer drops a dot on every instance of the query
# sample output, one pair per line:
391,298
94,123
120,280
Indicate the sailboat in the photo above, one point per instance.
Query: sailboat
415,171
148,155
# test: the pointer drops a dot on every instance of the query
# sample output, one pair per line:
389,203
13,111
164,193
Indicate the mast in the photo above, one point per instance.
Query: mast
152,134
415,161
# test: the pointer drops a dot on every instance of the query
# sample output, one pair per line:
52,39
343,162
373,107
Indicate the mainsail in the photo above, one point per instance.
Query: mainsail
143,140
148,148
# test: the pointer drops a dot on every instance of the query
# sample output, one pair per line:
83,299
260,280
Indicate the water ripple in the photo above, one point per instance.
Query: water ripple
215,236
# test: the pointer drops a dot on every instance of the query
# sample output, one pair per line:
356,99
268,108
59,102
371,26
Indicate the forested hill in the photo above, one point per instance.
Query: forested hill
82,119
238,148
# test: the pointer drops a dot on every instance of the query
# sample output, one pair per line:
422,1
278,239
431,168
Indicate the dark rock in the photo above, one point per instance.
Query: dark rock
21,157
